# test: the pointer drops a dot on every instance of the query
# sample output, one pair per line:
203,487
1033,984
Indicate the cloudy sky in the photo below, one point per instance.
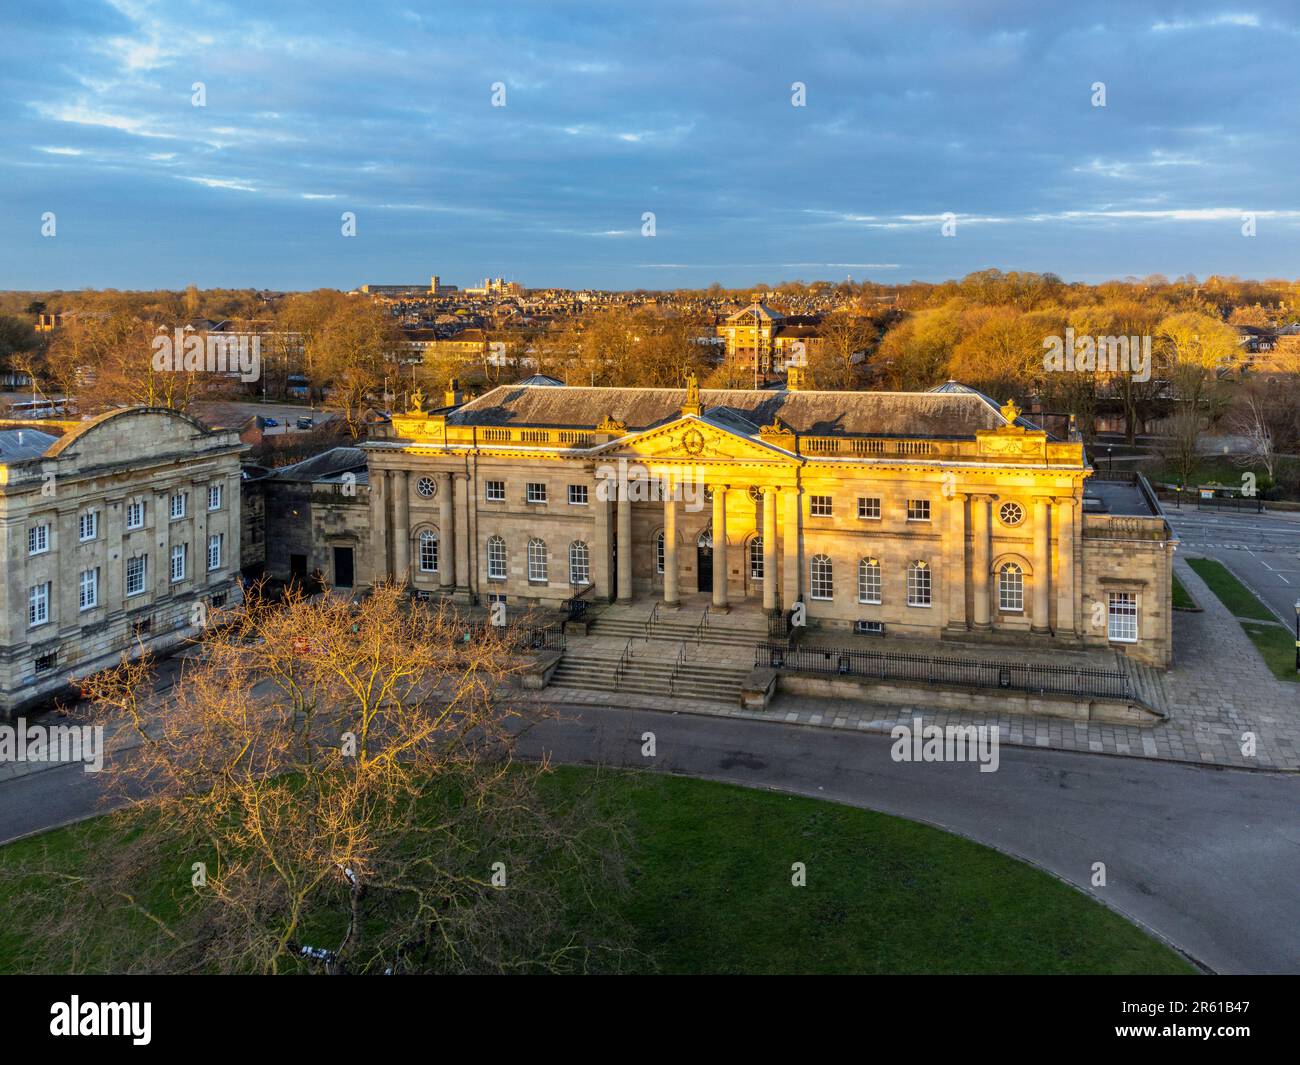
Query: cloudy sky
913,109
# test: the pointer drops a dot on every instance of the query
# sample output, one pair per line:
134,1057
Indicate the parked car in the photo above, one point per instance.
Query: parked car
269,422
305,423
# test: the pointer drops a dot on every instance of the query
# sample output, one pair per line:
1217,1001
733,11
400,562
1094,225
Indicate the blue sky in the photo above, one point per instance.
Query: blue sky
913,109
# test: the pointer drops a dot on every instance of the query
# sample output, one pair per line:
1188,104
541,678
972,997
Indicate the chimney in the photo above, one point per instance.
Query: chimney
794,379
453,397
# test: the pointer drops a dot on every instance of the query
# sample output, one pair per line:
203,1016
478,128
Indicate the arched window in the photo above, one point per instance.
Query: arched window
918,583
496,558
1011,588
579,563
869,580
756,559
428,552
822,573
659,551
536,559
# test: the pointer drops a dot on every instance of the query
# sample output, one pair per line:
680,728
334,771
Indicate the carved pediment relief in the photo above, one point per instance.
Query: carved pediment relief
689,440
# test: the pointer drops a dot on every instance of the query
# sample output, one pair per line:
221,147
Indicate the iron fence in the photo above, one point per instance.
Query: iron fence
957,672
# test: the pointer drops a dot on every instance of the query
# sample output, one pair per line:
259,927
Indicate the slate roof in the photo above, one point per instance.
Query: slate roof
941,415
19,444
328,464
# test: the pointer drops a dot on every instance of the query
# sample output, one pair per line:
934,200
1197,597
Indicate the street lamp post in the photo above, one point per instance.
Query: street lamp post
1297,635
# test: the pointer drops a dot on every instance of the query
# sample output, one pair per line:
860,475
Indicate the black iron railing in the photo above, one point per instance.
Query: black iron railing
575,607
530,638
957,672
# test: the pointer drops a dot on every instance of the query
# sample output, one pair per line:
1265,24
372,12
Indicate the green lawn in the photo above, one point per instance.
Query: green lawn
1275,642
1234,595
1182,601
709,891
1276,646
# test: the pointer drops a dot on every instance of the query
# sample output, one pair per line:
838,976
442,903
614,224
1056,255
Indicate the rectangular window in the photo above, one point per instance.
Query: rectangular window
869,508
578,495
214,496
869,628
38,539
178,562
1123,617
918,584
89,589
496,558
497,597
45,663
215,543
38,604
178,504
135,576
88,525
536,492
495,491
918,510
821,506
135,514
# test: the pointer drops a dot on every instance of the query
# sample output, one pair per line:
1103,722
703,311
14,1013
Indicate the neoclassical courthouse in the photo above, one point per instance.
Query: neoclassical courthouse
936,514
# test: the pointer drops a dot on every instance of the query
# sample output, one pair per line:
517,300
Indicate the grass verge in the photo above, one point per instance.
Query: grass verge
710,890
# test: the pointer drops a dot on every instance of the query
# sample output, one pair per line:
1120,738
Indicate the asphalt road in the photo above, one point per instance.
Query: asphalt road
1209,859
1263,550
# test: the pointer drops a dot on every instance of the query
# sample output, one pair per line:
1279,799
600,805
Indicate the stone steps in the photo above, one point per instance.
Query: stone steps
651,675
717,633
1148,685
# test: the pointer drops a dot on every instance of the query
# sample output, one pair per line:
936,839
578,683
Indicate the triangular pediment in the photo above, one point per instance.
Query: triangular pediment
694,438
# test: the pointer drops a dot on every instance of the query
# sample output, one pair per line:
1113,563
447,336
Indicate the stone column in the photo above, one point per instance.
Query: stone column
378,526
957,561
980,560
720,571
446,532
790,543
624,543
769,549
460,506
1042,566
401,527
672,597
1065,596
601,568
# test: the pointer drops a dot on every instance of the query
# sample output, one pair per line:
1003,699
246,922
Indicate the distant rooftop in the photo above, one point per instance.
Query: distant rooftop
19,444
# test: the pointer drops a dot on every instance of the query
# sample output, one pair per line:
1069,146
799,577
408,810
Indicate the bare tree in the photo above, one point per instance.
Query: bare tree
343,778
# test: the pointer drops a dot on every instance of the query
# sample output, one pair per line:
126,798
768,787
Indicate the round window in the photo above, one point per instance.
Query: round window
425,486
1011,513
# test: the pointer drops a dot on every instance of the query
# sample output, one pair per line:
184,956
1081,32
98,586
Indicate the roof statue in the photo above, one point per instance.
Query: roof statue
692,404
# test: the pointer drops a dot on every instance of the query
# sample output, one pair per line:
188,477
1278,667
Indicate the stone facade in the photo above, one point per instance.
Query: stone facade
120,533
317,515
923,514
